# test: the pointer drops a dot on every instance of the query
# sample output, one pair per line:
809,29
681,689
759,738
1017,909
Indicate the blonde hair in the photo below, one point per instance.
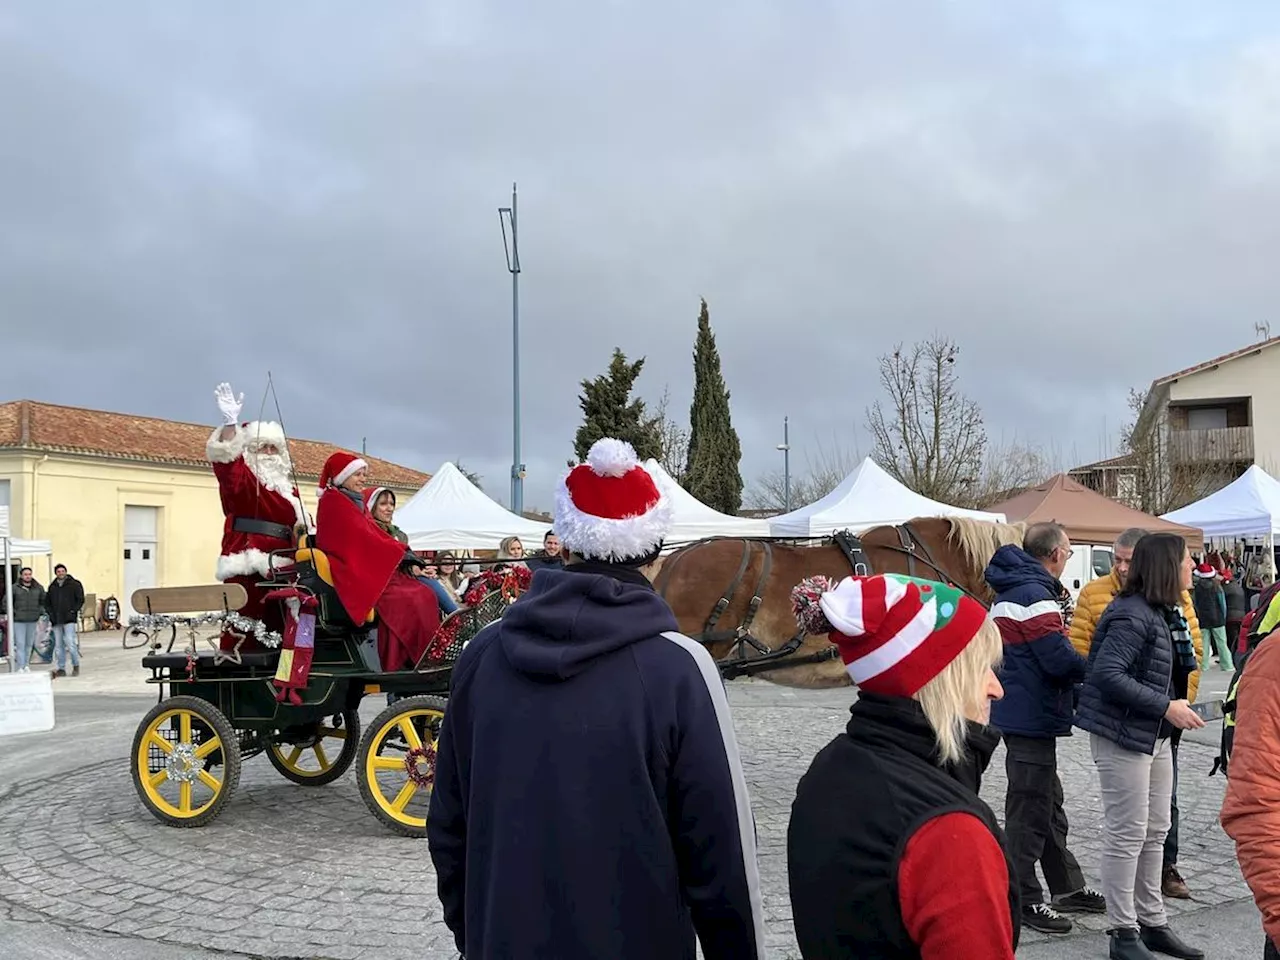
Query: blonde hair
961,689
504,548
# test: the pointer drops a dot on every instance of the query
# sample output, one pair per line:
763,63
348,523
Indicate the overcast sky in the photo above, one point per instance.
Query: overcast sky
1084,195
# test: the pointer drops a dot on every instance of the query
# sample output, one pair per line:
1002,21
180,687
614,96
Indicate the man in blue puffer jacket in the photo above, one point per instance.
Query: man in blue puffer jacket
1039,675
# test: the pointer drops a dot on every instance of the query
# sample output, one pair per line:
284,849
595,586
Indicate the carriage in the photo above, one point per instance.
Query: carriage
223,708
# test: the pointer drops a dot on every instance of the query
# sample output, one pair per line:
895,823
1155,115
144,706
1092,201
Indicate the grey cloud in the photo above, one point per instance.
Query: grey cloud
1079,194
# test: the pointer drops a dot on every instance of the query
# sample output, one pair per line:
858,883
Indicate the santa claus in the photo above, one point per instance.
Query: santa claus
260,503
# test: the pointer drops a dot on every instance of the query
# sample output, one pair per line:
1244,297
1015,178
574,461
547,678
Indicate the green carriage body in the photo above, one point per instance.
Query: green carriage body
222,709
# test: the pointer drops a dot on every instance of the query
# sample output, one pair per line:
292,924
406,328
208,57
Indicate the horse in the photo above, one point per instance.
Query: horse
702,583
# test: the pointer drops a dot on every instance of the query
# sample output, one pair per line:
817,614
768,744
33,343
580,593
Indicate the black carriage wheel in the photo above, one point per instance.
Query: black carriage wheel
324,761
177,750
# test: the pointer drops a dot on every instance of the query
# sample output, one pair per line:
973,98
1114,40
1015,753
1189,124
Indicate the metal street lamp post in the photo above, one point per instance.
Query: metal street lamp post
512,252
785,447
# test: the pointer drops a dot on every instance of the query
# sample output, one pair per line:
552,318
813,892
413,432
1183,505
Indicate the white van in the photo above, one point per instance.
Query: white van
1088,562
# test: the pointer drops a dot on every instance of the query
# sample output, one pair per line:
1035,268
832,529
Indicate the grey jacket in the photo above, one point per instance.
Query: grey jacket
28,602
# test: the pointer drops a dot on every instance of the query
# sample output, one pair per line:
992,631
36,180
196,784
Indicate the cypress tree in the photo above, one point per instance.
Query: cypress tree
715,453
609,411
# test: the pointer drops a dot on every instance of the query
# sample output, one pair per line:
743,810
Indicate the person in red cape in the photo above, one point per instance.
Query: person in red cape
370,566
261,507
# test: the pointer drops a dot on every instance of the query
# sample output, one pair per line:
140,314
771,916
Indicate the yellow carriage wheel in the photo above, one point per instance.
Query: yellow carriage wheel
322,754
397,765
185,761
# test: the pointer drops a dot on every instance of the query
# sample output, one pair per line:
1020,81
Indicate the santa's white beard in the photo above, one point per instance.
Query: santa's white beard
271,469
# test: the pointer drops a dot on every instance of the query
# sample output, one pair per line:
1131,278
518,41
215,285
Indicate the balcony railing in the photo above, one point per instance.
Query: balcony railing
1220,445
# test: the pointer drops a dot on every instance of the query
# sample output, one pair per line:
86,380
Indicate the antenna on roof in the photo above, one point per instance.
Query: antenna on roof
1263,330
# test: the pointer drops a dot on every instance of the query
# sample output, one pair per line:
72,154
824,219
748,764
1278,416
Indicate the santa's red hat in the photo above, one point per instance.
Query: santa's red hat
609,508
894,633
338,468
1206,572
371,495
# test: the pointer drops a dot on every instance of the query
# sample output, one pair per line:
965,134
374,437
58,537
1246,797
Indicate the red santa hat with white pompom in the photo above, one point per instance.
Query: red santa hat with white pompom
610,508
339,468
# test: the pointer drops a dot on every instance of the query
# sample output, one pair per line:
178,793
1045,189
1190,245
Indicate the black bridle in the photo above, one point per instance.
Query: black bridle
916,549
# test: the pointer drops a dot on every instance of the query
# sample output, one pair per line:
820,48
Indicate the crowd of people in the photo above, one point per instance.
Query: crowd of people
587,688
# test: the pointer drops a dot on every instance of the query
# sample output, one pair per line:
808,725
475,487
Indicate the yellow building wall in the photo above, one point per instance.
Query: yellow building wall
78,504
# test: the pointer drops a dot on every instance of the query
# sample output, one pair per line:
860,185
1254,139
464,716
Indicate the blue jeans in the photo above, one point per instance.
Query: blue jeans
24,641
64,639
447,604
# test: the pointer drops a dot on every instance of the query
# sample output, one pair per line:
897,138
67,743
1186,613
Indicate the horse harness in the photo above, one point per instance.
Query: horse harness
738,661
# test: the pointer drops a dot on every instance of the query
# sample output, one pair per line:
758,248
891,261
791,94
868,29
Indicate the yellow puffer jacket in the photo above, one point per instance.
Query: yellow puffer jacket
1097,596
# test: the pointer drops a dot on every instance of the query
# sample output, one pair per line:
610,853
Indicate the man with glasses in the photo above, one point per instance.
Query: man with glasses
1039,675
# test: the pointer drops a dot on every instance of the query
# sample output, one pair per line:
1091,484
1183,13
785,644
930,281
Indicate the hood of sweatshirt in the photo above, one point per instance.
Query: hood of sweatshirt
1013,567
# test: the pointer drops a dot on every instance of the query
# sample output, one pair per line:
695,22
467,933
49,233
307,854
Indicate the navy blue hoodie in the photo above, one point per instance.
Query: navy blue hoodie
589,799
1041,668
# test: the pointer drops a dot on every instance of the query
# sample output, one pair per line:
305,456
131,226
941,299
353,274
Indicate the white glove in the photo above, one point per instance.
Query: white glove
228,403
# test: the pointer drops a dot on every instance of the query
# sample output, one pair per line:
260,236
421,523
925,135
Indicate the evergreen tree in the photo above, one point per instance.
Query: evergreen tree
714,451
609,411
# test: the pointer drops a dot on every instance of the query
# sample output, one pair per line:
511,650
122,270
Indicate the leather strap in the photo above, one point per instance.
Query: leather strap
263,528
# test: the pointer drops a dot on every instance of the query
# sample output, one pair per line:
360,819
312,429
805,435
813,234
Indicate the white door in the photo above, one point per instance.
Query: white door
140,535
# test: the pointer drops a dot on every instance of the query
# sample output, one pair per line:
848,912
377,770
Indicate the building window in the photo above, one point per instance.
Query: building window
4,493
1207,418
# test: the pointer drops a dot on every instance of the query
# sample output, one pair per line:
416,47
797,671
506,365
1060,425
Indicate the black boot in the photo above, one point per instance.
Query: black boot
1163,940
1127,945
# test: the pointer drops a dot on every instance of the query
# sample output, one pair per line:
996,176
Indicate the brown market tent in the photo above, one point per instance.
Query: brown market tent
1089,517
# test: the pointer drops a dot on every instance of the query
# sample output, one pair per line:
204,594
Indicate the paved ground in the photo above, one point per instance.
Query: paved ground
85,872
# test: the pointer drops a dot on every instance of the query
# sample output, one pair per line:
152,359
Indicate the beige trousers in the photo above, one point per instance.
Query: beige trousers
1136,794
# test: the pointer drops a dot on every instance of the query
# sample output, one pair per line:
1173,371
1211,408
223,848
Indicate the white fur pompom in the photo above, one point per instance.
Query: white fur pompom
611,458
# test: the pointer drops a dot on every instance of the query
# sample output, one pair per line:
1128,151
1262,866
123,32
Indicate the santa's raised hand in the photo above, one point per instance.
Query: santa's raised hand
228,403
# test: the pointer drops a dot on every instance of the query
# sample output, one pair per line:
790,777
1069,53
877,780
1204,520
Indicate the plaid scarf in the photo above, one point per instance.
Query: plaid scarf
1068,607
1183,651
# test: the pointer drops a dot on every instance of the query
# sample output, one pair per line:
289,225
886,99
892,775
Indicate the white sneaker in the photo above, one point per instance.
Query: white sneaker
25,670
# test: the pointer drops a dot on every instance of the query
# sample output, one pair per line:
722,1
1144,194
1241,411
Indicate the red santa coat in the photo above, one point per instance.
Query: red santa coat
365,563
245,495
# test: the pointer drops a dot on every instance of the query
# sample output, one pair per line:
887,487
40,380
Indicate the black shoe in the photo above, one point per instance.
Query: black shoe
1163,940
1084,900
1127,945
1042,917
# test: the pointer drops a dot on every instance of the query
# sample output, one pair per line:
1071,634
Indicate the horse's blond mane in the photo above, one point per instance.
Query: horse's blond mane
978,540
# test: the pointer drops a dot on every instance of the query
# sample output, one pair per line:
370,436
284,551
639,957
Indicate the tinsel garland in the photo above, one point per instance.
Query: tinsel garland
151,623
804,604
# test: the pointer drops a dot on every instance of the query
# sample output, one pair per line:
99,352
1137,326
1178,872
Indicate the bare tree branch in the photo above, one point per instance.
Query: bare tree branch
928,435
822,473
673,439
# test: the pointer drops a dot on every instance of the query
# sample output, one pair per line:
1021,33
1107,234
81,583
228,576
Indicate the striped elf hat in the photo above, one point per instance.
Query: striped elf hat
897,633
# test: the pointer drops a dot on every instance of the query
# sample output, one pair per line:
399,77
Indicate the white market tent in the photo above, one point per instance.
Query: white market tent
1249,506
451,512
866,498
12,548
694,520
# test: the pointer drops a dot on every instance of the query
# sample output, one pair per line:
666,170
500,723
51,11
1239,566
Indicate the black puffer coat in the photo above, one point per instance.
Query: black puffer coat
1130,679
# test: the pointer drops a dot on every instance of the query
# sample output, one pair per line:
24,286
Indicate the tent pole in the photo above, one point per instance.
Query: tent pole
8,606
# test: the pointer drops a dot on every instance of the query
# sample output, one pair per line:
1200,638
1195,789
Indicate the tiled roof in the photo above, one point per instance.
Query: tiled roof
1209,364
121,436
